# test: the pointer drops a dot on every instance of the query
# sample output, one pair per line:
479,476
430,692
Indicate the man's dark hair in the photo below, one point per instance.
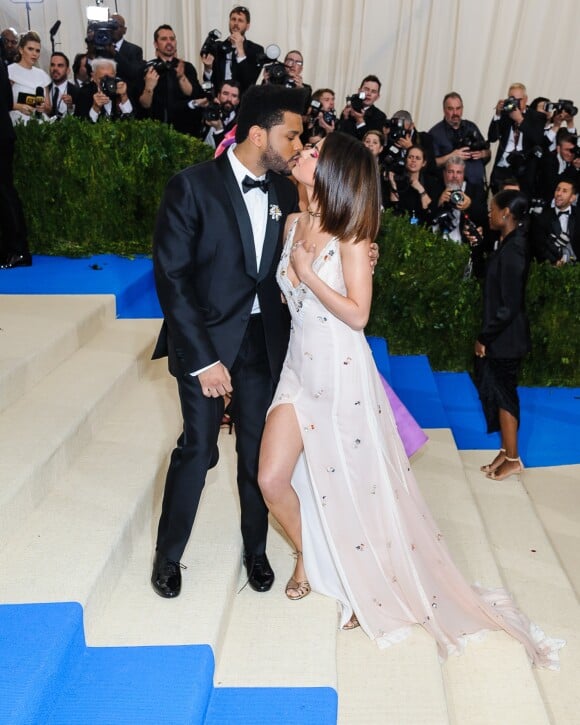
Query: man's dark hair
564,136
453,94
231,83
161,27
372,79
536,102
317,95
242,9
265,106
61,55
76,66
569,177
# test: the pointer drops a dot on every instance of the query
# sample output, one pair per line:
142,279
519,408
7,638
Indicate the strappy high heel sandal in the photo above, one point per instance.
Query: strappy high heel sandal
352,623
489,467
301,588
514,472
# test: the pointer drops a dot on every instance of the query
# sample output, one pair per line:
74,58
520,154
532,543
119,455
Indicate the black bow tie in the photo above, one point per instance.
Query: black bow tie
563,213
248,183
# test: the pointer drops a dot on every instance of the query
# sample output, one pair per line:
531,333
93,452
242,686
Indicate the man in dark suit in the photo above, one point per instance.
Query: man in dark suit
555,232
95,101
216,247
241,62
520,132
361,117
13,235
62,94
554,165
129,56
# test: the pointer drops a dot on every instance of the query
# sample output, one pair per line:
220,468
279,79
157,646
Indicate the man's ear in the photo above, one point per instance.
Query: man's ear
258,136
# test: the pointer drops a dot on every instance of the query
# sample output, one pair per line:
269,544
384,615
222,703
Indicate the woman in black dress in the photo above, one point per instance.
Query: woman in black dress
504,338
413,192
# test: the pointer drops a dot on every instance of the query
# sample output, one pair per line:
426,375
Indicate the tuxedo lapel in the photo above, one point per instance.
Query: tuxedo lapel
241,213
272,235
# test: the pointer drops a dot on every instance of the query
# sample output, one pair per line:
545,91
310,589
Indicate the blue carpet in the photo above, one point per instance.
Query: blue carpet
130,280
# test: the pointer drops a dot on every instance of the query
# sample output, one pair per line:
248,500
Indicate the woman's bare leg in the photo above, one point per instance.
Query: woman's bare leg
509,442
281,447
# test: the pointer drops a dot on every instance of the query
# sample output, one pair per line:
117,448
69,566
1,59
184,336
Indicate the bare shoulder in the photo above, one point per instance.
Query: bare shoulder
349,249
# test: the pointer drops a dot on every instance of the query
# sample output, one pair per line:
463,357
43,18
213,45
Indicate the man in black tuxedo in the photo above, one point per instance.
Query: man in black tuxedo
241,63
96,102
62,94
555,232
554,165
520,131
129,56
216,247
13,235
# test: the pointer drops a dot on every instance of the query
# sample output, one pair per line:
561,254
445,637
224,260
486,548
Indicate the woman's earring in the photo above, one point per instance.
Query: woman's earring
504,217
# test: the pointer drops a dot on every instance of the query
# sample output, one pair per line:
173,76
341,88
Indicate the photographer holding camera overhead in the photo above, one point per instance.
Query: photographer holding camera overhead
105,97
520,132
170,87
360,113
235,58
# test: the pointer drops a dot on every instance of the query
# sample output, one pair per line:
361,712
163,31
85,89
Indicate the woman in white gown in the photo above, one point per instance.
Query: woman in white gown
26,79
333,470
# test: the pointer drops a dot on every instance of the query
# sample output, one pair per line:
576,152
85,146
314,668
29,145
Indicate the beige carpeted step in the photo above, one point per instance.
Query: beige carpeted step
492,682
45,429
40,331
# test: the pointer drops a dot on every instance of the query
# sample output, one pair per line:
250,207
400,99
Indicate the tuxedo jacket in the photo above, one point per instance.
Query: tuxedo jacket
549,176
531,128
205,268
506,331
374,120
246,72
130,52
130,64
547,223
6,102
71,89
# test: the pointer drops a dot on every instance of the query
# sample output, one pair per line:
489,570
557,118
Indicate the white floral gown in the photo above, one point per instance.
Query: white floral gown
369,539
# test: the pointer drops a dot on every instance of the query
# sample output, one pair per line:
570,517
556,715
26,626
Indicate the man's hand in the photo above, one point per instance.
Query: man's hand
67,98
405,141
464,153
151,79
237,40
207,61
328,127
122,91
465,204
215,381
100,100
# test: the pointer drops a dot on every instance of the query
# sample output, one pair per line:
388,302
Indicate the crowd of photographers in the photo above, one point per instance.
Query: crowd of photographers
437,177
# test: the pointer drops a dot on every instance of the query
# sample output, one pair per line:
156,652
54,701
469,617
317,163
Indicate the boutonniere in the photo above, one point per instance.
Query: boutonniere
275,212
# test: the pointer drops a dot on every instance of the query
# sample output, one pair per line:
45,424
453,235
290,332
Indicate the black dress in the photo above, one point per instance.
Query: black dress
505,331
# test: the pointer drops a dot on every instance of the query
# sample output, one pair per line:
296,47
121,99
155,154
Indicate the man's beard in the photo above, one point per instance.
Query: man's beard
272,161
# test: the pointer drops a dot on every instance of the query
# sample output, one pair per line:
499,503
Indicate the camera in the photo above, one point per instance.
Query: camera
518,160
212,112
213,45
510,104
563,105
277,73
356,101
161,66
446,219
537,205
316,107
396,128
472,140
468,229
100,35
109,86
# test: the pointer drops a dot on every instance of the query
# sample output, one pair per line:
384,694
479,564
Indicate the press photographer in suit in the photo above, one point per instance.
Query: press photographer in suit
106,96
235,59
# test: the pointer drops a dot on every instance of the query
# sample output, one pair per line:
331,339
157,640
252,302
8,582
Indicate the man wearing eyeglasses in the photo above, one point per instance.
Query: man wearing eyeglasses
240,61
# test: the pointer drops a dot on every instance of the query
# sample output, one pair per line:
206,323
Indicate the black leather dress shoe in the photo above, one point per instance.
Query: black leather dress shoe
260,574
17,260
166,576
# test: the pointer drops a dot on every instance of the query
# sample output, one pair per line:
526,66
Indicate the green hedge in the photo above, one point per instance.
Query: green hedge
422,305
91,189
94,188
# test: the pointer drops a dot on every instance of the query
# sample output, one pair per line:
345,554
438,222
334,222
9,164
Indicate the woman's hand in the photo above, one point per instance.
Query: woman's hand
302,259
479,349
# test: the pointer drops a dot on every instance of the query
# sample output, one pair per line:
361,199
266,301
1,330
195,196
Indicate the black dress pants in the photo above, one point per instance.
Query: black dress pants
12,223
196,450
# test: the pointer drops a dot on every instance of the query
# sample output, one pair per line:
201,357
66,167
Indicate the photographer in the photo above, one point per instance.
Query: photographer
360,113
220,116
170,87
321,116
459,200
237,58
520,132
565,160
105,97
561,118
401,135
412,191
456,136
555,230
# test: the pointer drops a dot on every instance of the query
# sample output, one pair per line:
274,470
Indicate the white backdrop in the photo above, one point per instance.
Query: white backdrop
420,49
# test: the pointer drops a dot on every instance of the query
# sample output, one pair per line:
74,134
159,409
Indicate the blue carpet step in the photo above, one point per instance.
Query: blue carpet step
550,419
49,676
273,706
414,382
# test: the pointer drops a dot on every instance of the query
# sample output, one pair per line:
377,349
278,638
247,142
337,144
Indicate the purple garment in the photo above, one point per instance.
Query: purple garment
411,433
